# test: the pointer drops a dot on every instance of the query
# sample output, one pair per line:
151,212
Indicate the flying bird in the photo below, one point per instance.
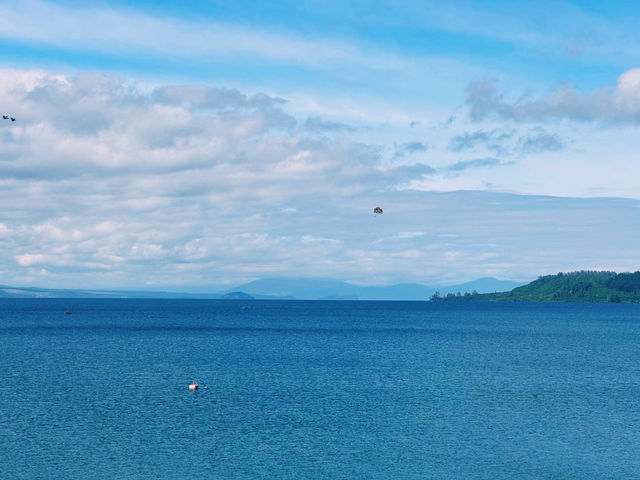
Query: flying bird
6,117
13,119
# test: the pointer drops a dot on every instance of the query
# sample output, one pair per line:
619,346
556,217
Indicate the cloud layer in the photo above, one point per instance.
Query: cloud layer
108,184
619,104
149,175
100,177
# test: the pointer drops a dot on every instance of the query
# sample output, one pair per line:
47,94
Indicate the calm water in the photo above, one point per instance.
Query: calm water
371,390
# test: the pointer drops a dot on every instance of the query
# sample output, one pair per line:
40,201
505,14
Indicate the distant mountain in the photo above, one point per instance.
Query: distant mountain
300,288
582,286
280,289
324,289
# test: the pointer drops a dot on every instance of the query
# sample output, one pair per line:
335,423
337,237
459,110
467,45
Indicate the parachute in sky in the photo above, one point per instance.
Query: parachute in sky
377,210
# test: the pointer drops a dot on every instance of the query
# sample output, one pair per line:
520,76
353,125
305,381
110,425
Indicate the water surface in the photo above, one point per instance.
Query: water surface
306,390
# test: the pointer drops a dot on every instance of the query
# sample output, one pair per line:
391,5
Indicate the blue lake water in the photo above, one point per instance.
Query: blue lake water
315,390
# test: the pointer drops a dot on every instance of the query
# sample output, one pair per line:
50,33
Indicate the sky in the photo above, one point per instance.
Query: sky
194,146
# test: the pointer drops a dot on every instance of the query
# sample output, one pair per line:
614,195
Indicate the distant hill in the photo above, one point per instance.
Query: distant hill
324,289
296,288
279,289
237,296
582,286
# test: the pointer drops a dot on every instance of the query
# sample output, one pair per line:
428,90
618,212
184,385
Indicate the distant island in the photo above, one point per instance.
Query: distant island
237,296
580,286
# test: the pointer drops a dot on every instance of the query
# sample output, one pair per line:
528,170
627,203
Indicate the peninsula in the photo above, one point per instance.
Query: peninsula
580,286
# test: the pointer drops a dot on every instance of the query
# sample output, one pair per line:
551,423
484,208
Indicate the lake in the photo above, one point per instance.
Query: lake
318,390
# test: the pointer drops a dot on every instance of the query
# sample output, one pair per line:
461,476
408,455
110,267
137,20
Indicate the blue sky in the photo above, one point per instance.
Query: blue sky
198,145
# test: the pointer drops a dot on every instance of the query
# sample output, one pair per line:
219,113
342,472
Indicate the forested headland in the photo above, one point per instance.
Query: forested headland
580,286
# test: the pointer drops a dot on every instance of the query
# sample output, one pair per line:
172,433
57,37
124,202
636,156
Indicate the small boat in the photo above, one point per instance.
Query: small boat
193,385
67,312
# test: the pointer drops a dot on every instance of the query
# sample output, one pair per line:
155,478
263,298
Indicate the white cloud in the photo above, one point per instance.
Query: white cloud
28,259
539,141
192,187
618,104
311,240
114,178
404,235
